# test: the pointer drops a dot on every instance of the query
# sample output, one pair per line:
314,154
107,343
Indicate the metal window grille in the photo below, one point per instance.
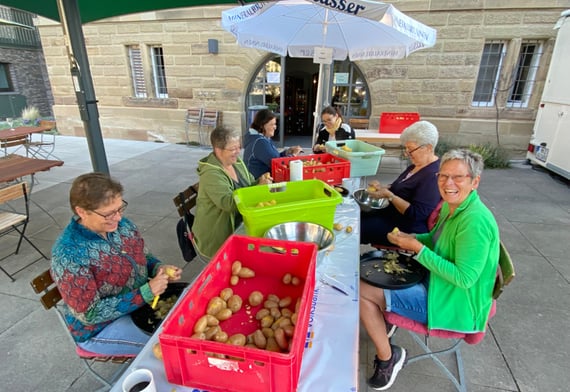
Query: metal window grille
137,71
525,74
158,72
488,77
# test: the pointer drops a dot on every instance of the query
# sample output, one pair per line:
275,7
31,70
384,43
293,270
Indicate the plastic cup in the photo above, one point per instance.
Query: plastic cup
140,380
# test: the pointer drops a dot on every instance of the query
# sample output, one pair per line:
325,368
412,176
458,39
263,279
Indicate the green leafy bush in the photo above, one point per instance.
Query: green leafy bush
495,157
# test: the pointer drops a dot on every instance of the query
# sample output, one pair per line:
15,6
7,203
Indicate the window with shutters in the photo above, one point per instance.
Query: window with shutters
137,71
158,72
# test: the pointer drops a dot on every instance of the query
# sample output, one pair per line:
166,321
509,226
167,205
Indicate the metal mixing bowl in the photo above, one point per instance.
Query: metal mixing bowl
304,232
368,203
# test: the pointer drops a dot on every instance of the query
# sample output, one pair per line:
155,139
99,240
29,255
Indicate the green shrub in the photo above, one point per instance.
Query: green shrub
495,157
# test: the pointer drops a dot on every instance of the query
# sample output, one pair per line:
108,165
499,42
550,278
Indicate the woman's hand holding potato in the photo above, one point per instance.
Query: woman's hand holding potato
173,272
404,240
159,283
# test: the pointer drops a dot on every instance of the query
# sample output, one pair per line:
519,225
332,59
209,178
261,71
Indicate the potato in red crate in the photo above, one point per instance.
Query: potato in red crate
284,272
325,167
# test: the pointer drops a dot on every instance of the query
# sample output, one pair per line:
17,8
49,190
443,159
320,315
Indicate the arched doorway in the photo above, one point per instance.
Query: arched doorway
288,86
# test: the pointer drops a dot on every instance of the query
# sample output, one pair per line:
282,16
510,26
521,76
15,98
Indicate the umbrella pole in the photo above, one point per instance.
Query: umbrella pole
323,96
83,82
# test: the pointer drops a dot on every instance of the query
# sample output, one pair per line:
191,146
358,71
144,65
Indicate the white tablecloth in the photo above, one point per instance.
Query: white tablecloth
330,359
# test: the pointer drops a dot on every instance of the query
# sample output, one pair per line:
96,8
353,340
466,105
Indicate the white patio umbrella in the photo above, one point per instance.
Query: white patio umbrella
327,31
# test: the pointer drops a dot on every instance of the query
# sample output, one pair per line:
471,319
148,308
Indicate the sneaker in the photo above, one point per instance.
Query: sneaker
390,329
385,372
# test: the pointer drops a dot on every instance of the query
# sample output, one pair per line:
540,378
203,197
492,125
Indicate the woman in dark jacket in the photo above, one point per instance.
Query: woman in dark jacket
332,128
258,147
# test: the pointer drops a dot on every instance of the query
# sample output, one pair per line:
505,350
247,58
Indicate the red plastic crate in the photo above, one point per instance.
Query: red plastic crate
330,169
196,363
397,122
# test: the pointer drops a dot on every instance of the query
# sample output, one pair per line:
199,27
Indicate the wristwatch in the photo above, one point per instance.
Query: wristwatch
391,198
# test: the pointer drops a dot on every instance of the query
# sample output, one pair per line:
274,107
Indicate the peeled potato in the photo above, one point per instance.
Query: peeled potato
170,271
157,350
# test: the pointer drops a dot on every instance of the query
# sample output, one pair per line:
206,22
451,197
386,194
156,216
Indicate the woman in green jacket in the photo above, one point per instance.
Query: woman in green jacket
220,173
461,253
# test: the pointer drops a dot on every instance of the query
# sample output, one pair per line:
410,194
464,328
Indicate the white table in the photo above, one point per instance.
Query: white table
374,137
330,359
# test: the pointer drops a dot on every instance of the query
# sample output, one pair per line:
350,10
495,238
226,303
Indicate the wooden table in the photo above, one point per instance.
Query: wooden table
22,131
15,166
20,135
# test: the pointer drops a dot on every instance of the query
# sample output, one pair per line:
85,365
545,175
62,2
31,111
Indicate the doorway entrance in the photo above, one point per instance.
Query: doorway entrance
288,87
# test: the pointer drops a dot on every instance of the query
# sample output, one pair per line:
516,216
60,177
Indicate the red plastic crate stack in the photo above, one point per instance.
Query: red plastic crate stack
328,168
392,122
222,367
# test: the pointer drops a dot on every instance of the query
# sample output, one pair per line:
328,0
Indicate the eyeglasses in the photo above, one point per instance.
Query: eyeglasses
410,152
457,178
112,214
233,149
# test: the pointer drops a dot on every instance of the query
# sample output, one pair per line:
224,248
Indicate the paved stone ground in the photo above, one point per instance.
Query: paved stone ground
526,348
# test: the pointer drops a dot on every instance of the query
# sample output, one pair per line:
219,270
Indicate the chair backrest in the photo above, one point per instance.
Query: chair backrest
359,123
186,200
194,115
13,141
505,271
47,124
43,284
14,192
210,118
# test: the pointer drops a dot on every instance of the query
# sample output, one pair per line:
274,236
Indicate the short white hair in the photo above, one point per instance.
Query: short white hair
421,132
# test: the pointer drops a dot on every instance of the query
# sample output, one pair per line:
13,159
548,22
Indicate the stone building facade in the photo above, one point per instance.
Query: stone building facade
439,83
24,73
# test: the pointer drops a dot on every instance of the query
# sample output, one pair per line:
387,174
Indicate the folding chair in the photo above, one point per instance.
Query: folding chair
210,119
359,123
193,116
44,285
12,220
185,201
421,334
14,141
44,144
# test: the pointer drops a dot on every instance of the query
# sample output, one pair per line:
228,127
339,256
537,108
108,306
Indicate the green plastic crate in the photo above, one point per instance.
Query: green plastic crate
364,157
307,201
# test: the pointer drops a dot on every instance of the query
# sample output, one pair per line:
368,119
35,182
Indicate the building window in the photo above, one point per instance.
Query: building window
137,71
5,80
158,72
525,74
349,91
488,77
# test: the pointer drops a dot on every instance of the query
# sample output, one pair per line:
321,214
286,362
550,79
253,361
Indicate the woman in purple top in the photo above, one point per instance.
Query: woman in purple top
413,195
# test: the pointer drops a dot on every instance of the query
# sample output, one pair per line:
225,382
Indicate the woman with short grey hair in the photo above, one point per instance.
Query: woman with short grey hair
422,133
220,173
413,196
474,161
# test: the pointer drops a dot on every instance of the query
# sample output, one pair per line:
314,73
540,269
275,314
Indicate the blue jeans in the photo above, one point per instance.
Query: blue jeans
410,302
121,337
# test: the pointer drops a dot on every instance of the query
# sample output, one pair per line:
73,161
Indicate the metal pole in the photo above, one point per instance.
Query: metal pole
282,102
83,83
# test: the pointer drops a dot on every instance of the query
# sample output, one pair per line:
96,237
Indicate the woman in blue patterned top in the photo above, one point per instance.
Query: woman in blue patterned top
101,269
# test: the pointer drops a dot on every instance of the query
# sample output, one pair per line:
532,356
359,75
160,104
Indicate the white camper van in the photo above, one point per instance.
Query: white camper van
550,141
